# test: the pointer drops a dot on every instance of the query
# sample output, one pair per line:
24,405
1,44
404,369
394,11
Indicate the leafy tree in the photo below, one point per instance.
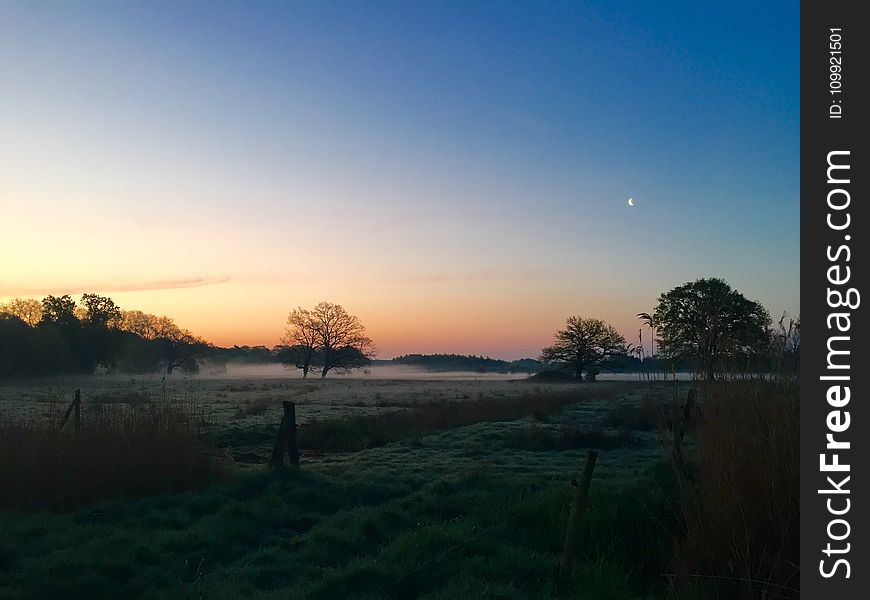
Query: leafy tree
26,309
342,341
301,341
59,311
583,345
709,321
100,310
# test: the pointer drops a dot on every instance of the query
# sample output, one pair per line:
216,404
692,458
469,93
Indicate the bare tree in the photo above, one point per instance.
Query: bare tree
26,309
178,348
138,322
342,340
583,345
301,341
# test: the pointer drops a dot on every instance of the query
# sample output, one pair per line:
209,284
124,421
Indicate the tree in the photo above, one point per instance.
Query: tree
100,310
325,338
301,341
709,321
26,309
178,347
142,324
583,345
59,310
341,338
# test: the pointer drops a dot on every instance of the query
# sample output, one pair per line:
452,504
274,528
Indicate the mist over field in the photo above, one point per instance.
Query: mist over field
236,370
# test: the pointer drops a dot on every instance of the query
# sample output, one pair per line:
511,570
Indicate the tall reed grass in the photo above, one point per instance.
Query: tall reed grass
126,450
739,498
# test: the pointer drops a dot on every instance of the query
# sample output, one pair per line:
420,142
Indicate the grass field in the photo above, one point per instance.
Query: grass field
407,489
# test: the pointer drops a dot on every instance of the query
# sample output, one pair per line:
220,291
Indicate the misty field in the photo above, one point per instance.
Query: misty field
406,489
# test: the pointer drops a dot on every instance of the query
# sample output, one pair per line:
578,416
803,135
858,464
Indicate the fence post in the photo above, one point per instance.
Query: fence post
578,506
75,405
285,443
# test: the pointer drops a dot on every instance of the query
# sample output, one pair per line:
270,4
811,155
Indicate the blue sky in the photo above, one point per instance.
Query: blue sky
428,165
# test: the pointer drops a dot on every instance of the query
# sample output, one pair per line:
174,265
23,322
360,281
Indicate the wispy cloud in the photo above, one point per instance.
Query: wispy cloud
103,287
479,276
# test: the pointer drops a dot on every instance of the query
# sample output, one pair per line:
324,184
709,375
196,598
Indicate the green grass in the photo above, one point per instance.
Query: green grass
301,535
461,495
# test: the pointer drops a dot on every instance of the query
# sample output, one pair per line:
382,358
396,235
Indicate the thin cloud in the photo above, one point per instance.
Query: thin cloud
165,284
481,276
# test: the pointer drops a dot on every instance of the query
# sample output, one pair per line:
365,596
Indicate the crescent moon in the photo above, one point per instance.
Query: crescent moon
631,201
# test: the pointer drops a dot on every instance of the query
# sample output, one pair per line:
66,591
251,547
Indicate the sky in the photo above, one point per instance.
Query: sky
454,173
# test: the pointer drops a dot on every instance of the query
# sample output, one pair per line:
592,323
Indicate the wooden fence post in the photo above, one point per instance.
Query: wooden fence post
75,405
285,443
578,506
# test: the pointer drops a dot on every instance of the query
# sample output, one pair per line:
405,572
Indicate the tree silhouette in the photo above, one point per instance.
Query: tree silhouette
100,310
583,345
59,311
711,322
301,341
325,338
343,343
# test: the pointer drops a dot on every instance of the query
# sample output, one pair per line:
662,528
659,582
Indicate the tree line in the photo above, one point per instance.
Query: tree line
57,336
704,326
472,363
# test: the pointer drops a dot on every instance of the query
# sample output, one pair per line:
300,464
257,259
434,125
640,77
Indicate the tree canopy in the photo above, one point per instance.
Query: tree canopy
325,338
583,345
709,321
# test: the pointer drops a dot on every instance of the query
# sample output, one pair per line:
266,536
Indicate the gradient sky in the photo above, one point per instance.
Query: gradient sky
454,173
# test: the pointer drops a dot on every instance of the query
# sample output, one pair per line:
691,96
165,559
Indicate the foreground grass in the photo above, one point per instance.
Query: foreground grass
457,500
300,535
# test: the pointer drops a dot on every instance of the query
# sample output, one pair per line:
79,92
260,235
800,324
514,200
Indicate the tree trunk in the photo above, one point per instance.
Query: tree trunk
578,371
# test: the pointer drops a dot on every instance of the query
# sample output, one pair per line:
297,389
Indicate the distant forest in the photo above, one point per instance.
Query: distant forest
463,362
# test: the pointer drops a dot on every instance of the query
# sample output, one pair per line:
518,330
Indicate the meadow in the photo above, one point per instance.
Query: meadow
406,488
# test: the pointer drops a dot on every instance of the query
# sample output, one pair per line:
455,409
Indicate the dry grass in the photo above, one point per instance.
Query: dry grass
120,450
741,501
